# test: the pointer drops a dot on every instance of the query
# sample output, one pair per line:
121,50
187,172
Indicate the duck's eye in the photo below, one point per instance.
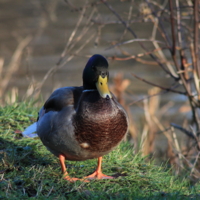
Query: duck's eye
93,67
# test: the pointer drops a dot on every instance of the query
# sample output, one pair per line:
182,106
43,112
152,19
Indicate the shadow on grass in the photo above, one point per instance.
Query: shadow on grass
29,170
20,154
27,166
17,162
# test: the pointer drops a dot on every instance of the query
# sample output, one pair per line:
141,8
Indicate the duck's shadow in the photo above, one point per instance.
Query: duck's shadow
14,155
117,175
18,156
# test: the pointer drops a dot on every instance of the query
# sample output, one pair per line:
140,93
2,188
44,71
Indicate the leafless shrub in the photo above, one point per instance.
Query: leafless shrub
175,32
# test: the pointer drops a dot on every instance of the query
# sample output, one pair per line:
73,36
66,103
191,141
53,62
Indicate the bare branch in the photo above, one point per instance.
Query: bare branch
14,63
178,24
156,20
141,44
164,34
135,40
161,87
147,97
173,49
173,52
188,133
72,36
55,68
196,41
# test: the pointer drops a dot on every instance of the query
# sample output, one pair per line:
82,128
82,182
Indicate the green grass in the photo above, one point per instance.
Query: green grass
27,169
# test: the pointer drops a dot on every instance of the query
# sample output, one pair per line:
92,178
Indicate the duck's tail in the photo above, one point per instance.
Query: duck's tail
30,131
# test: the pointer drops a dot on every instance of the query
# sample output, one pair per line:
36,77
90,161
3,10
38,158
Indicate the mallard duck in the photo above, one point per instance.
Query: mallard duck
80,123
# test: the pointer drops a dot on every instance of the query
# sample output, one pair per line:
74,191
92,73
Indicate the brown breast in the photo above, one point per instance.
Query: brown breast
99,124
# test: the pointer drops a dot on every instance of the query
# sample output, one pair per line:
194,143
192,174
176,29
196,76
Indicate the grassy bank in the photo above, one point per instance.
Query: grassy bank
27,169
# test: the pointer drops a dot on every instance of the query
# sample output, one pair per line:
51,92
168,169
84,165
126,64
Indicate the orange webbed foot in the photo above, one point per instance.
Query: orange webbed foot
98,175
66,176
72,180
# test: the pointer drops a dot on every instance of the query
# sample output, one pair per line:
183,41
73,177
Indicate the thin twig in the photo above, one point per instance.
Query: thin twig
141,44
129,18
177,146
72,36
1,68
180,45
164,130
196,159
196,79
196,41
167,39
173,52
178,17
84,30
163,88
135,40
173,49
155,20
14,64
55,68
188,133
137,56
147,97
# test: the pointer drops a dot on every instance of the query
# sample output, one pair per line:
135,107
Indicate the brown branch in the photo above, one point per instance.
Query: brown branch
161,28
178,21
196,40
188,133
147,97
193,102
173,52
80,8
161,87
141,44
56,67
134,40
146,62
173,49
136,57
132,57
14,64
180,46
195,76
71,37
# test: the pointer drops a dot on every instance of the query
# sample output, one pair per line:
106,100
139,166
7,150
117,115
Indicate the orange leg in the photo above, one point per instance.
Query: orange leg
64,171
98,173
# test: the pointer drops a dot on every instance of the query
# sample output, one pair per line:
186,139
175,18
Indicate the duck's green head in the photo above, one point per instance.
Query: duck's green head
96,75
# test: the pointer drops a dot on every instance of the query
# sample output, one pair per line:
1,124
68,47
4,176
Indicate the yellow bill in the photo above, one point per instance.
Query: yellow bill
102,87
